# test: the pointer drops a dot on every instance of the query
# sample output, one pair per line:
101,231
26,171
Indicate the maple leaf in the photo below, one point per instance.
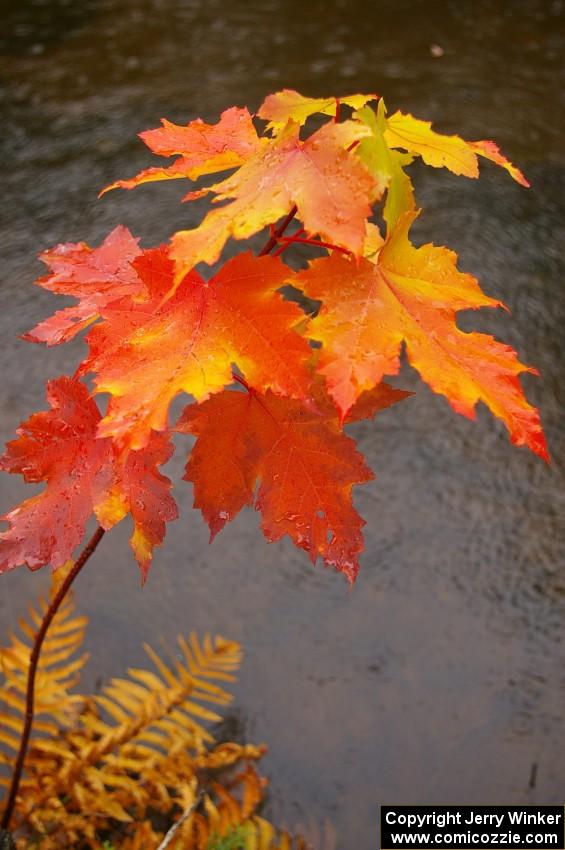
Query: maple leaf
288,104
83,474
305,465
386,165
366,406
374,241
372,401
96,276
143,492
411,295
441,151
147,352
201,148
410,134
330,187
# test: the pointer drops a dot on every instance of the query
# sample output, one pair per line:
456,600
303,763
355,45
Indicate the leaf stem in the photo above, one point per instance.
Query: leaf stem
275,234
337,110
241,381
32,671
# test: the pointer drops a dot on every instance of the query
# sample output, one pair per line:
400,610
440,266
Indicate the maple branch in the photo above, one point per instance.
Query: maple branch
317,243
33,662
276,234
285,244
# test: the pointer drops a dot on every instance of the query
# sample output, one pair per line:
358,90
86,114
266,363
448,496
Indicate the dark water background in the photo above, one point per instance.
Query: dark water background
441,677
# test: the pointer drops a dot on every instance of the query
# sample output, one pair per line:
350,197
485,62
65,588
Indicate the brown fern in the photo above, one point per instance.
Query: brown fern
127,764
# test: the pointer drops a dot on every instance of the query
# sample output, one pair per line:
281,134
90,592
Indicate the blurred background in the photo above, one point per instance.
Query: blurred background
440,678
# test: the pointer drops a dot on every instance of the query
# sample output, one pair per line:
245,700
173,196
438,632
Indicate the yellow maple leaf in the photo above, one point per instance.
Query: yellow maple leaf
285,105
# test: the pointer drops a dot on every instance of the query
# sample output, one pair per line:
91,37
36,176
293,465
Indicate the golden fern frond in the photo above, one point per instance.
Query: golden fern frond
140,744
58,672
135,760
212,813
149,715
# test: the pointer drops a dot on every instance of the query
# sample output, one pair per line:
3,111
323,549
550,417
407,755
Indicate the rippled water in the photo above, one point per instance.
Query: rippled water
440,677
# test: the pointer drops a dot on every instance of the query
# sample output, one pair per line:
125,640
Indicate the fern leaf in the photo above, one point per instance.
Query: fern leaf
152,681
9,740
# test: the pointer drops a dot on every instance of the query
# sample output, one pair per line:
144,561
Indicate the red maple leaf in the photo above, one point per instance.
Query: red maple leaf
303,462
83,475
96,276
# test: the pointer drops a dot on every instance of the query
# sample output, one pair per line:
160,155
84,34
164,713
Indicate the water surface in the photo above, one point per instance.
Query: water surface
440,677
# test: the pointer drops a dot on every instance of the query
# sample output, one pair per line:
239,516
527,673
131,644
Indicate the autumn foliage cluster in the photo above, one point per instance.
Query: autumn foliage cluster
273,383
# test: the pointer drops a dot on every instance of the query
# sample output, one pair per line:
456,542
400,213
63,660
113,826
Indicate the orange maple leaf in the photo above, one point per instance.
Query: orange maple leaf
305,464
411,295
201,148
96,276
145,353
330,187
83,475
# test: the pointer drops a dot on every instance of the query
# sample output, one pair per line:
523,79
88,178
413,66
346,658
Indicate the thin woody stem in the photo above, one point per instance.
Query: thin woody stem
317,243
276,234
337,110
33,662
286,244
